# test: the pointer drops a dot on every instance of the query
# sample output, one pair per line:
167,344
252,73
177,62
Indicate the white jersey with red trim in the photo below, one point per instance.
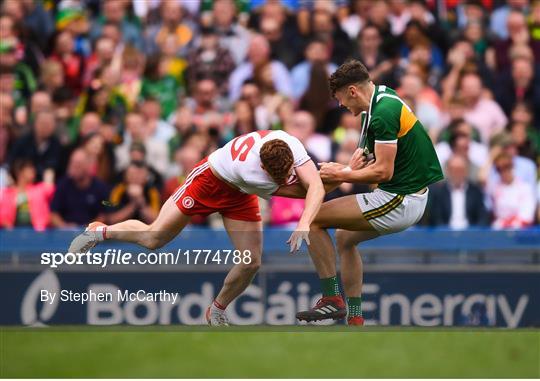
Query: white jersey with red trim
239,161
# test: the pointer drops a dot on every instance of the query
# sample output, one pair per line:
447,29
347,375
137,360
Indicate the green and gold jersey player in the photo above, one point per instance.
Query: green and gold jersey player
404,165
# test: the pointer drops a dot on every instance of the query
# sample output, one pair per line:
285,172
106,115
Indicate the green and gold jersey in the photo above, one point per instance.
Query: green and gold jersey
390,120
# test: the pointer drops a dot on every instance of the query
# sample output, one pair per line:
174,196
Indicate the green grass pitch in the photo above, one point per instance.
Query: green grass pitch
250,352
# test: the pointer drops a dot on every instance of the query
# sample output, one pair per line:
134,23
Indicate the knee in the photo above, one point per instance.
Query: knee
343,242
252,267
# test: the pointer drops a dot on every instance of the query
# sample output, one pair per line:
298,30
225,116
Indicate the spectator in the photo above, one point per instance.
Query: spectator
245,119
161,85
72,63
523,169
79,196
526,140
251,93
102,57
99,156
519,34
302,127
316,52
520,85
457,202
499,17
114,13
210,111
258,56
137,131
318,100
52,76
482,112
210,60
509,214
282,35
325,27
232,36
173,23
185,159
7,130
427,112
381,68
26,203
461,143
134,198
272,99
40,145
158,128
356,21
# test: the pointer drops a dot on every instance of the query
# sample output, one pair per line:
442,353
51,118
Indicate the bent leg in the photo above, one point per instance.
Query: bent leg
350,259
343,213
167,225
245,236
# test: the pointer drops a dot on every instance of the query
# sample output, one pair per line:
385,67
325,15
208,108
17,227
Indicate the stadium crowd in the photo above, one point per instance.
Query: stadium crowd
106,105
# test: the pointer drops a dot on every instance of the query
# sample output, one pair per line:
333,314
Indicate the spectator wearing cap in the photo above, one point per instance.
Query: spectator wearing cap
26,202
79,197
457,202
209,59
513,199
134,197
258,56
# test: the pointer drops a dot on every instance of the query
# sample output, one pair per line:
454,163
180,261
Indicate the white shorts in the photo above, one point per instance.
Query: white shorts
390,212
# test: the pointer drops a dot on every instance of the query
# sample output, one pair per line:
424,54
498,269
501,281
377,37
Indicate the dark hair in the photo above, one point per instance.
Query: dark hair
18,165
351,72
277,159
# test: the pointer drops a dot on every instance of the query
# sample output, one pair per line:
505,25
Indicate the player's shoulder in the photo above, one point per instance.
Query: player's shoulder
386,104
385,98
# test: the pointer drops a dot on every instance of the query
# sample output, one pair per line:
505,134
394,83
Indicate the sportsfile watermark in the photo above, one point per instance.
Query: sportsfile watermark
112,257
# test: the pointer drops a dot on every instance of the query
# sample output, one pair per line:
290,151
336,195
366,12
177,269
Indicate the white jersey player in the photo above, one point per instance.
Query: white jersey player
262,163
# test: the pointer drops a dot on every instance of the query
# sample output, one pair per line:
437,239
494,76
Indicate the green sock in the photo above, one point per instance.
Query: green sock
330,286
354,305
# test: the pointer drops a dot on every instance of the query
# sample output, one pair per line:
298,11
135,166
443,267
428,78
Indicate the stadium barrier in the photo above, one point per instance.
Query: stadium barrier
475,277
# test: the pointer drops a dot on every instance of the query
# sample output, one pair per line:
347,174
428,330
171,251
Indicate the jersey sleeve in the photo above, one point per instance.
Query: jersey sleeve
300,155
383,130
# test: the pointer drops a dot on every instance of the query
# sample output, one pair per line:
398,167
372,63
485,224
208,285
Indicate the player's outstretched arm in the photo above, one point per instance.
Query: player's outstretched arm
310,179
297,190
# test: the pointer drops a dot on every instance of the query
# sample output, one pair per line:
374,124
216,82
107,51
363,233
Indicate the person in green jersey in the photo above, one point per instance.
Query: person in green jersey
403,166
